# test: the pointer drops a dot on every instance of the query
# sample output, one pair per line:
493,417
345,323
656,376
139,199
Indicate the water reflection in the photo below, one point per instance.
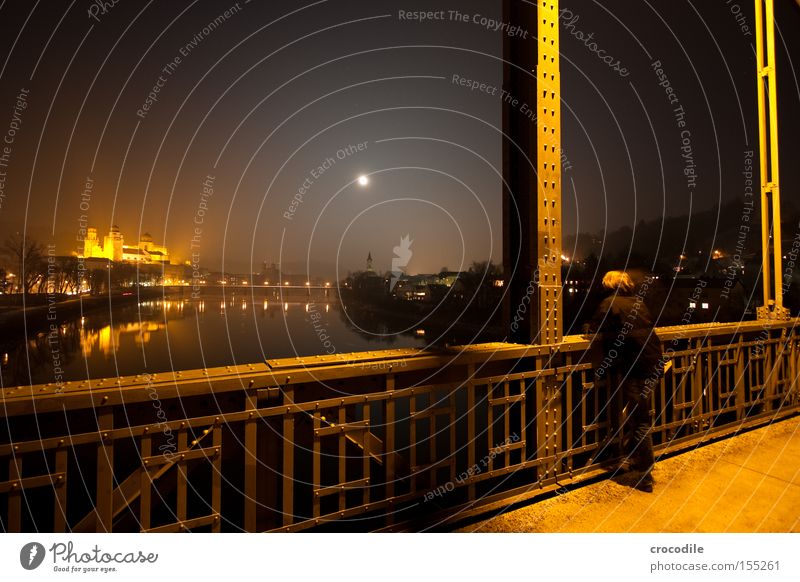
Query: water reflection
107,339
181,334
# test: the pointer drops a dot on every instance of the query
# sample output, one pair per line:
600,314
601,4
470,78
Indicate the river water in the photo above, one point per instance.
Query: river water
182,334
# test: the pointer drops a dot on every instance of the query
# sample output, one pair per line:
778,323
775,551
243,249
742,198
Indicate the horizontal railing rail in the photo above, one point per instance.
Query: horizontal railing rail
367,441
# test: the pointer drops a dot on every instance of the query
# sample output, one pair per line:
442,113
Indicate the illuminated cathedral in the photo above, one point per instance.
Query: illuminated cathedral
114,248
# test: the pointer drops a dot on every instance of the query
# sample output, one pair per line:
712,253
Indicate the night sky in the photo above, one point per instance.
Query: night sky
261,99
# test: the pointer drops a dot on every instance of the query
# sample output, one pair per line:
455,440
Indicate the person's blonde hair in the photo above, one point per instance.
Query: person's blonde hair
618,280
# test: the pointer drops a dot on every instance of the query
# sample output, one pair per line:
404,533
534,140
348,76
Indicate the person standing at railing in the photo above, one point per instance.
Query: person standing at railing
632,352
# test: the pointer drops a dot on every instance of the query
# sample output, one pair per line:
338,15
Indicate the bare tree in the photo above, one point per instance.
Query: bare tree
67,277
29,257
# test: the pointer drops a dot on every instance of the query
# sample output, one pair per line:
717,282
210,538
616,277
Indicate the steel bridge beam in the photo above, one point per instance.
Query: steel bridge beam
772,266
532,173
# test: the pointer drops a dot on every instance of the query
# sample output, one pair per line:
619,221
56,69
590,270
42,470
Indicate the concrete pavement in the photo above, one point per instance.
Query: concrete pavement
747,483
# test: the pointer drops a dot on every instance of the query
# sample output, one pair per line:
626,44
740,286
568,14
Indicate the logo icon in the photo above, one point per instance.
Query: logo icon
400,260
31,555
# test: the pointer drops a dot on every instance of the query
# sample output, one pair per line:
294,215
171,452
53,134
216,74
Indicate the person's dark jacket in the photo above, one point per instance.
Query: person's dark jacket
625,328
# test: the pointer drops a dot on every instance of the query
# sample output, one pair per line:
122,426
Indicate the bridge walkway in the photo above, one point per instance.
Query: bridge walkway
747,483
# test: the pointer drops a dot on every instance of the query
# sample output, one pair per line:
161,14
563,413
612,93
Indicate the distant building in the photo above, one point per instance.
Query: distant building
93,249
270,274
156,253
417,287
369,282
112,244
705,299
114,248
134,255
448,278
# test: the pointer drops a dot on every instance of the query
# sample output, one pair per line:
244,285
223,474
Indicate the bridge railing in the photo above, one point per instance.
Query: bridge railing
366,441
